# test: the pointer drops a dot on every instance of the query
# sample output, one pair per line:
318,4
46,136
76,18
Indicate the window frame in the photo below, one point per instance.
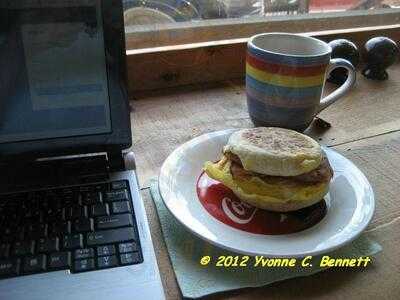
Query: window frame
158,35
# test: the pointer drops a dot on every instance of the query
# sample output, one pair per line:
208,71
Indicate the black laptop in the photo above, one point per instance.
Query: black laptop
72,223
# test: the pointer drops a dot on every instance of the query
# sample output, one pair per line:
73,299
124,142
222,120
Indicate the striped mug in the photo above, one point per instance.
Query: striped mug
285,77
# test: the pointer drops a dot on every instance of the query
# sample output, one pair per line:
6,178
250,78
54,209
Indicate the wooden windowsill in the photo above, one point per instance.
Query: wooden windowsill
164,67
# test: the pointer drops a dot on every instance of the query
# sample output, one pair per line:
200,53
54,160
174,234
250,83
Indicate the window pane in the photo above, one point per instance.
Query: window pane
144,12
153,23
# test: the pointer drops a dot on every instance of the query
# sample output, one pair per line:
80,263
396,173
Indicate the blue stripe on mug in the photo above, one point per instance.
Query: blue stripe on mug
282,101
278,116
275,90
287,59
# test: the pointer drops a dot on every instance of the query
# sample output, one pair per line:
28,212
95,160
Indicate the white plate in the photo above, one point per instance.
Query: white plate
350,205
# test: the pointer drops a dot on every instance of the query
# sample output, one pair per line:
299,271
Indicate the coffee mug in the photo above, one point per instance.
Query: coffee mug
285,77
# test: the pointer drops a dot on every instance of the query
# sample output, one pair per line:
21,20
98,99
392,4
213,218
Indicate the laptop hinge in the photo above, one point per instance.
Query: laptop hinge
54,171
115,161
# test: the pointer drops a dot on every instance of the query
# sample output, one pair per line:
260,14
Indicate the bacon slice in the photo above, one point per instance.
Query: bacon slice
323,173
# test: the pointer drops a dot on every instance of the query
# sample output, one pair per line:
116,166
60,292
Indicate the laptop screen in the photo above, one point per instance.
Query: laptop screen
53,75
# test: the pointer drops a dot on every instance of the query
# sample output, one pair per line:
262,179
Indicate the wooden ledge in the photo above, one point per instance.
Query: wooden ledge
169,66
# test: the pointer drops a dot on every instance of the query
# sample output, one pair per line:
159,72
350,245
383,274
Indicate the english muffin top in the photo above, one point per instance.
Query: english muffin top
275,151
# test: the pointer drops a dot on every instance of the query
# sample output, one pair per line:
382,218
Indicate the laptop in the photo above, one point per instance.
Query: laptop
72,222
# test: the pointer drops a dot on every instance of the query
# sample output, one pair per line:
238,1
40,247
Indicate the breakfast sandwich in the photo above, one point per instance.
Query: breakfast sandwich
273,168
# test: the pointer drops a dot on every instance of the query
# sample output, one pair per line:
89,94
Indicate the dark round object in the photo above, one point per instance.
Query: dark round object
345,49
381,53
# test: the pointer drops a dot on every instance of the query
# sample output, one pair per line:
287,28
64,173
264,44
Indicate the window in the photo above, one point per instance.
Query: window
154,23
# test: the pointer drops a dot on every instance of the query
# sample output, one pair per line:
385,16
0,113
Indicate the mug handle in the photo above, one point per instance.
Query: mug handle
343,89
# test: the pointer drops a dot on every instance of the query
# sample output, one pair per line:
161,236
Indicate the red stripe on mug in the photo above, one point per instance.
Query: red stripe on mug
300,71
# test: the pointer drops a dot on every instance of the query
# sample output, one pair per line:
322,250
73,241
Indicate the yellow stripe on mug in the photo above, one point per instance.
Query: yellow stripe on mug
286,81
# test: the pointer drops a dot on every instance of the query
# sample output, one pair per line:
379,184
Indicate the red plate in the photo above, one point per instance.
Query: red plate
221,203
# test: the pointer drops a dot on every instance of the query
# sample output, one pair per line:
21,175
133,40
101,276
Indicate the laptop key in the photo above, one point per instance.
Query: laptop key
73,241
76,212
21,233
130,258
83,225
83,265
23,248
105,250
7,235
4,250
110,236
118,185
114,221
54,212
60,228
121,207
59,260
128,247
91,198
85,188
46,245
107,262
100,209
33,215
121,195
84,253
37,231
34,264
9,267
66,191
99,187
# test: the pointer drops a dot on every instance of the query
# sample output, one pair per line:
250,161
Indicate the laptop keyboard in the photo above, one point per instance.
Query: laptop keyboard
80,229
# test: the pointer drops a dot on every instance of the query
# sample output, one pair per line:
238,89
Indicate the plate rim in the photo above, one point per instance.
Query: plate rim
312,252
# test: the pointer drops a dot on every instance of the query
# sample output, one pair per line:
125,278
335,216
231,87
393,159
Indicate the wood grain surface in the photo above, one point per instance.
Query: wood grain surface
365,128
217,60
164,119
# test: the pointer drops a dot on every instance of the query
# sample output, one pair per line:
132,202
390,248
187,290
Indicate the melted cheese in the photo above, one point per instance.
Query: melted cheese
257,191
